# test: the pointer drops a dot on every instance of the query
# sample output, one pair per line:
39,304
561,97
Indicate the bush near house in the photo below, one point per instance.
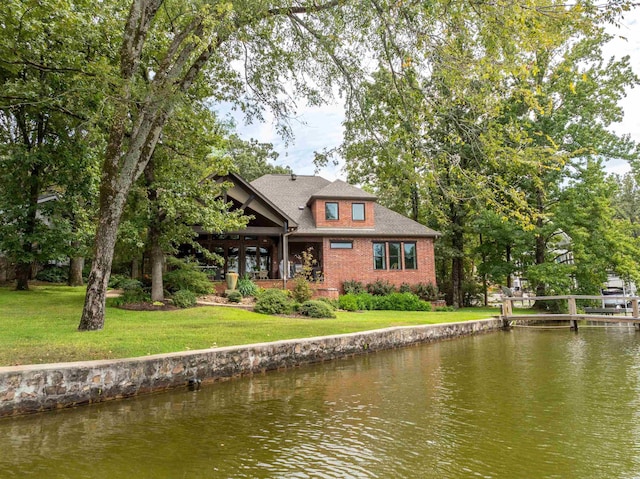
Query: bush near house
246,287
184,298
353,287
274,301
380,288
390,302
186,275
316,309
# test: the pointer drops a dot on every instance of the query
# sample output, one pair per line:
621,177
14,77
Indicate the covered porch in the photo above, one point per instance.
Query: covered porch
266,250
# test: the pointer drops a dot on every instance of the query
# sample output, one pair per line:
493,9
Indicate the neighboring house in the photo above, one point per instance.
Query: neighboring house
350,236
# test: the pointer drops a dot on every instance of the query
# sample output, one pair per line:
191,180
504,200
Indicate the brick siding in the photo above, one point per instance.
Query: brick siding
341,265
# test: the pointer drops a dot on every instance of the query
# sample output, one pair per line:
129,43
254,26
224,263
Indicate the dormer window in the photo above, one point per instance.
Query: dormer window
330,210
357,211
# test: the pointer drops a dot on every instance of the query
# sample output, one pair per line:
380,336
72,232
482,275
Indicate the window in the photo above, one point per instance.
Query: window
342,245
394,256
410,257
379,256
331,211
396,252
357,211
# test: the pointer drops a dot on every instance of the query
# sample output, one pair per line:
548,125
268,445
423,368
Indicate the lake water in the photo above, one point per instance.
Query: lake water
519,404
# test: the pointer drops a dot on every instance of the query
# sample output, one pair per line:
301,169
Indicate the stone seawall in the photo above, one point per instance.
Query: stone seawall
42,387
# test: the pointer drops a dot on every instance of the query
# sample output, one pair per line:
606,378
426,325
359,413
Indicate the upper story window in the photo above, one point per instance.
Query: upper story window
330,210
357,211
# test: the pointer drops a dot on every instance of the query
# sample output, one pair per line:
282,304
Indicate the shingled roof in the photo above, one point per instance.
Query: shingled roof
293,197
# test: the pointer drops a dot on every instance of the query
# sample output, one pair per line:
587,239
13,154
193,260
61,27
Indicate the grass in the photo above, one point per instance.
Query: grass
40,326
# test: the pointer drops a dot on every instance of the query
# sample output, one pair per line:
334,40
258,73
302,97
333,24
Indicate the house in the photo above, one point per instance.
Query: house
349,235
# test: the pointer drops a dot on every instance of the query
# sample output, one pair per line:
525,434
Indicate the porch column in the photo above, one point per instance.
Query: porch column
284,271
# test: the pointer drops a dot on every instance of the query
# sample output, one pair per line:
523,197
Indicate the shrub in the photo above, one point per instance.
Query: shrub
353,287
234,296
274,301
246,287
402,302
348,302
186,276
357,302
380,288
302,291
317,309
184,298
426,291
116,280
331,302
134,293
53,274
390,302
405,288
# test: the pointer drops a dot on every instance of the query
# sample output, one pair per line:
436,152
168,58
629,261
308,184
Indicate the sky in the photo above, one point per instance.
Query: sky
320,128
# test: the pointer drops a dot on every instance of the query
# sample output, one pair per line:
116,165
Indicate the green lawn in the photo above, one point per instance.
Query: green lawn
39,326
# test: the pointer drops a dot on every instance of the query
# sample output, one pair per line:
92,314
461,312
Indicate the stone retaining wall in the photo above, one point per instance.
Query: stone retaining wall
35,388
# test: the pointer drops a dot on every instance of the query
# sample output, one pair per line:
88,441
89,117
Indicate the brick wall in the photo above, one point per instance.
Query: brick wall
341,265
344,214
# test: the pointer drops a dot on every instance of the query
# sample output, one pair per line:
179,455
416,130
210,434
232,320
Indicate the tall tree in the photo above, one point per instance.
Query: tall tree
182,191
286,41
50,93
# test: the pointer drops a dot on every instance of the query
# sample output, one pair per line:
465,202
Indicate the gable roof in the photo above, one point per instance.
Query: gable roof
293,196
343,191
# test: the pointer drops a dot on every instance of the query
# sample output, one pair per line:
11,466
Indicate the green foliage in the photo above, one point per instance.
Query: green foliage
121,281
250,158
234,296
274,301
391,302
353,287
247,287
186,275
380,288
132,295
183,298
316,309
348,302
302,291
53,274
405,288
426,291
331,302
401,302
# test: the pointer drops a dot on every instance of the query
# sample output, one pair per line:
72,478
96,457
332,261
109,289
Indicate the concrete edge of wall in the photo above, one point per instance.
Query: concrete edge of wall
42,387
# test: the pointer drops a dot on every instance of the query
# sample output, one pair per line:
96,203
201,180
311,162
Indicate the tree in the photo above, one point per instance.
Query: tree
251,158
47,135
182,191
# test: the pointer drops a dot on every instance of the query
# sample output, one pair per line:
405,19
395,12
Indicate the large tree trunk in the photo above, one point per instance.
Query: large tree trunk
541,243
112,200
23,275
157,265
457,262
76,265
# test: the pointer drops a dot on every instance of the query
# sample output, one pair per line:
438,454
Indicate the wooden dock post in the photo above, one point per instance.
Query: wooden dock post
572,313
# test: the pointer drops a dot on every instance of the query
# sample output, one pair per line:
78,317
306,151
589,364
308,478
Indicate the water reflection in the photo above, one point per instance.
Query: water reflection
509,405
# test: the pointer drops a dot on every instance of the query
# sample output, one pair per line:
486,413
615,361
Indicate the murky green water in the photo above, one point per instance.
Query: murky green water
522,404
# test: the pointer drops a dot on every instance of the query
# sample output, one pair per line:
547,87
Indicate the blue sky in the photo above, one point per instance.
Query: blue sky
320,128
